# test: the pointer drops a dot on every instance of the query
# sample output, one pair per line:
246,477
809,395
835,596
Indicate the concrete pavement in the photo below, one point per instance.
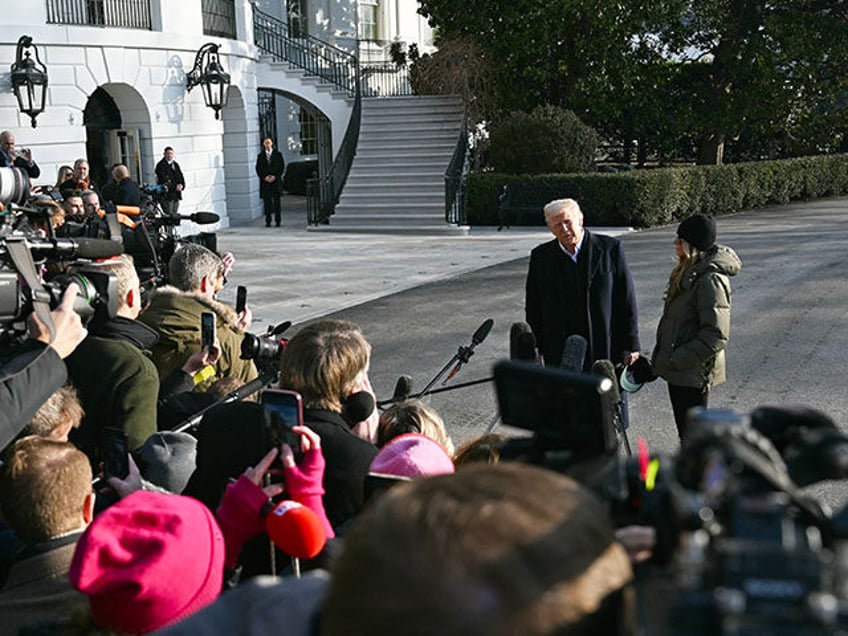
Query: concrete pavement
294,274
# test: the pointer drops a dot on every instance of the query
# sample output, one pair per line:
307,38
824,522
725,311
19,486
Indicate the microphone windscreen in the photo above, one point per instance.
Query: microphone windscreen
296,530
403,387
482,331
516,331
606,369
205,217
98,248
358,406
574,353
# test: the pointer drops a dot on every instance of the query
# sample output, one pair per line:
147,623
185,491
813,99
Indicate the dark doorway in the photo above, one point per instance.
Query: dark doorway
101,115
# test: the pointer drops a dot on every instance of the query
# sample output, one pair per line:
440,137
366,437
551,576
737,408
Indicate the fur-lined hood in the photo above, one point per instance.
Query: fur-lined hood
225,313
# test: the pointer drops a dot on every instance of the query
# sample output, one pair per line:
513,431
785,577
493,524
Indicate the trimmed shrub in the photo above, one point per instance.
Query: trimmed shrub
547,140
645,198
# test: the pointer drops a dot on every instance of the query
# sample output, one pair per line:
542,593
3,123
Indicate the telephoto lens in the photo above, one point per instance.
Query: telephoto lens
14,186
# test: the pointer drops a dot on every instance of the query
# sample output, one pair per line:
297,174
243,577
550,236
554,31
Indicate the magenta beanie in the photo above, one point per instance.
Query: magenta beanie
149,560
411,456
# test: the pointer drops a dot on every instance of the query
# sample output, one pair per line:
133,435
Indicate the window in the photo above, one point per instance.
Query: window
308,133
296,12
368,19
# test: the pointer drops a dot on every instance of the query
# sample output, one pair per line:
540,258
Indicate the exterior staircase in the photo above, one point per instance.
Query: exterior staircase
397,180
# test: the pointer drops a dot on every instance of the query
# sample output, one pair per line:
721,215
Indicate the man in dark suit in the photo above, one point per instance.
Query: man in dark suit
579,283
169,174
269,169
12,158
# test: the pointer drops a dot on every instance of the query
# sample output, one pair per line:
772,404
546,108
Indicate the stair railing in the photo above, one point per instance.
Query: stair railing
317,57
323,193
456,179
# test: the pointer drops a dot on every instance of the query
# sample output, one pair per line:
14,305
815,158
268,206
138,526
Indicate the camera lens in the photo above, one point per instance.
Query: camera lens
14,186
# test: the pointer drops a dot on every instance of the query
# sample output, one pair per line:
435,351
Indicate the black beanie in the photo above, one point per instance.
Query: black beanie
699,231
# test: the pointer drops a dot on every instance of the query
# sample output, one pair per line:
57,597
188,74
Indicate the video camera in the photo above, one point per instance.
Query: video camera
750,552
24,253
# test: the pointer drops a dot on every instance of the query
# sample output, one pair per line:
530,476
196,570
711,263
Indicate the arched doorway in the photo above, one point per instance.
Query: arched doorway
101,115
117,126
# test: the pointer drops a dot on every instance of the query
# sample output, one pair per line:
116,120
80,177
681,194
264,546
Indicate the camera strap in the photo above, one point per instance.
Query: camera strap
22,258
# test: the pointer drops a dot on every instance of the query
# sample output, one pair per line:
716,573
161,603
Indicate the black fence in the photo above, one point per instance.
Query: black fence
316,57
125,14
385,79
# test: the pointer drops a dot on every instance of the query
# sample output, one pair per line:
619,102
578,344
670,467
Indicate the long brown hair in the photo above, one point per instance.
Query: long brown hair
691,255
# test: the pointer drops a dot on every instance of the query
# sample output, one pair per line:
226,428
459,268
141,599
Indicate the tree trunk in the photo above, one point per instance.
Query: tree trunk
711,150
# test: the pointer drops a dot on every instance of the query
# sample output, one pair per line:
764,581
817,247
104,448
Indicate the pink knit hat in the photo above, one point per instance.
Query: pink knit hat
148,561
411,456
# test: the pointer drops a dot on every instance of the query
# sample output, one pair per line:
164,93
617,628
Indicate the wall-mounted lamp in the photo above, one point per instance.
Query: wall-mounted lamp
29,79
208,73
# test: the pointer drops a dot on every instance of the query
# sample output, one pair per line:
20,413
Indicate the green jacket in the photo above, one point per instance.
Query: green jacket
175,315
695,326
117,384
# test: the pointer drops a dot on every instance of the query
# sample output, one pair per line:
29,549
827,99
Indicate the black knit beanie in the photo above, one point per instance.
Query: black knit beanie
699,231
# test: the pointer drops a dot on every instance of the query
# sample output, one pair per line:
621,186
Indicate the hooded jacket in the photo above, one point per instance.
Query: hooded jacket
175,315
695,326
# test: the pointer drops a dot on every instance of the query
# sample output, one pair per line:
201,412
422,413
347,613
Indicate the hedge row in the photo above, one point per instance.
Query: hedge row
645,198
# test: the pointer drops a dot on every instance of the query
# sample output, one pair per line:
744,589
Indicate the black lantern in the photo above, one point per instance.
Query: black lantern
209,74
29,79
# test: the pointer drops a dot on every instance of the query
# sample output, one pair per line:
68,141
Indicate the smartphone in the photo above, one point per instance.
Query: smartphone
283,410
113,450
207,329
241,298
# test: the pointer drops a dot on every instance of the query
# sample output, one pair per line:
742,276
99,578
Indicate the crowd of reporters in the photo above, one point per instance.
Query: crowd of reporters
207,529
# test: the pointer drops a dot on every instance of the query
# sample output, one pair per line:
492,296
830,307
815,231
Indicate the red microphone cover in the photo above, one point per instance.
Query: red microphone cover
296,530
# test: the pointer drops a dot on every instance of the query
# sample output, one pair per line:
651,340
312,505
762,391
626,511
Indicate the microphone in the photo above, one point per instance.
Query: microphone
482,331
522,343
295,530
465,353
358,406
66,248
201,218
574,353
403,388
606,369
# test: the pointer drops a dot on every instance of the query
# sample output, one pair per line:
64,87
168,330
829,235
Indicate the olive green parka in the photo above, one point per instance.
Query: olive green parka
695,326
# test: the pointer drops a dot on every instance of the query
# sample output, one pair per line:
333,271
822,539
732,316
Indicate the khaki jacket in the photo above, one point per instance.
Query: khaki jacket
695,326
175,315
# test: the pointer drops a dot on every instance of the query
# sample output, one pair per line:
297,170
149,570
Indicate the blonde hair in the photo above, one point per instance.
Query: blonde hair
413,416
61,408
690,256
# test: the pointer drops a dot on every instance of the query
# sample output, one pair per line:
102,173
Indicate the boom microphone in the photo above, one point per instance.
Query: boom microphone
574,353
201,218
482,331
67,248
403,387
296,530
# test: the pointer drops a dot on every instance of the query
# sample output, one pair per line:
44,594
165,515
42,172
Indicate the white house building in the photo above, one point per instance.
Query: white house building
117,85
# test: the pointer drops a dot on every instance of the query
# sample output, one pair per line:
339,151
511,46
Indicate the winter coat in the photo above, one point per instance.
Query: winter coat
264,167
607,300
175,315
117,383
695,326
